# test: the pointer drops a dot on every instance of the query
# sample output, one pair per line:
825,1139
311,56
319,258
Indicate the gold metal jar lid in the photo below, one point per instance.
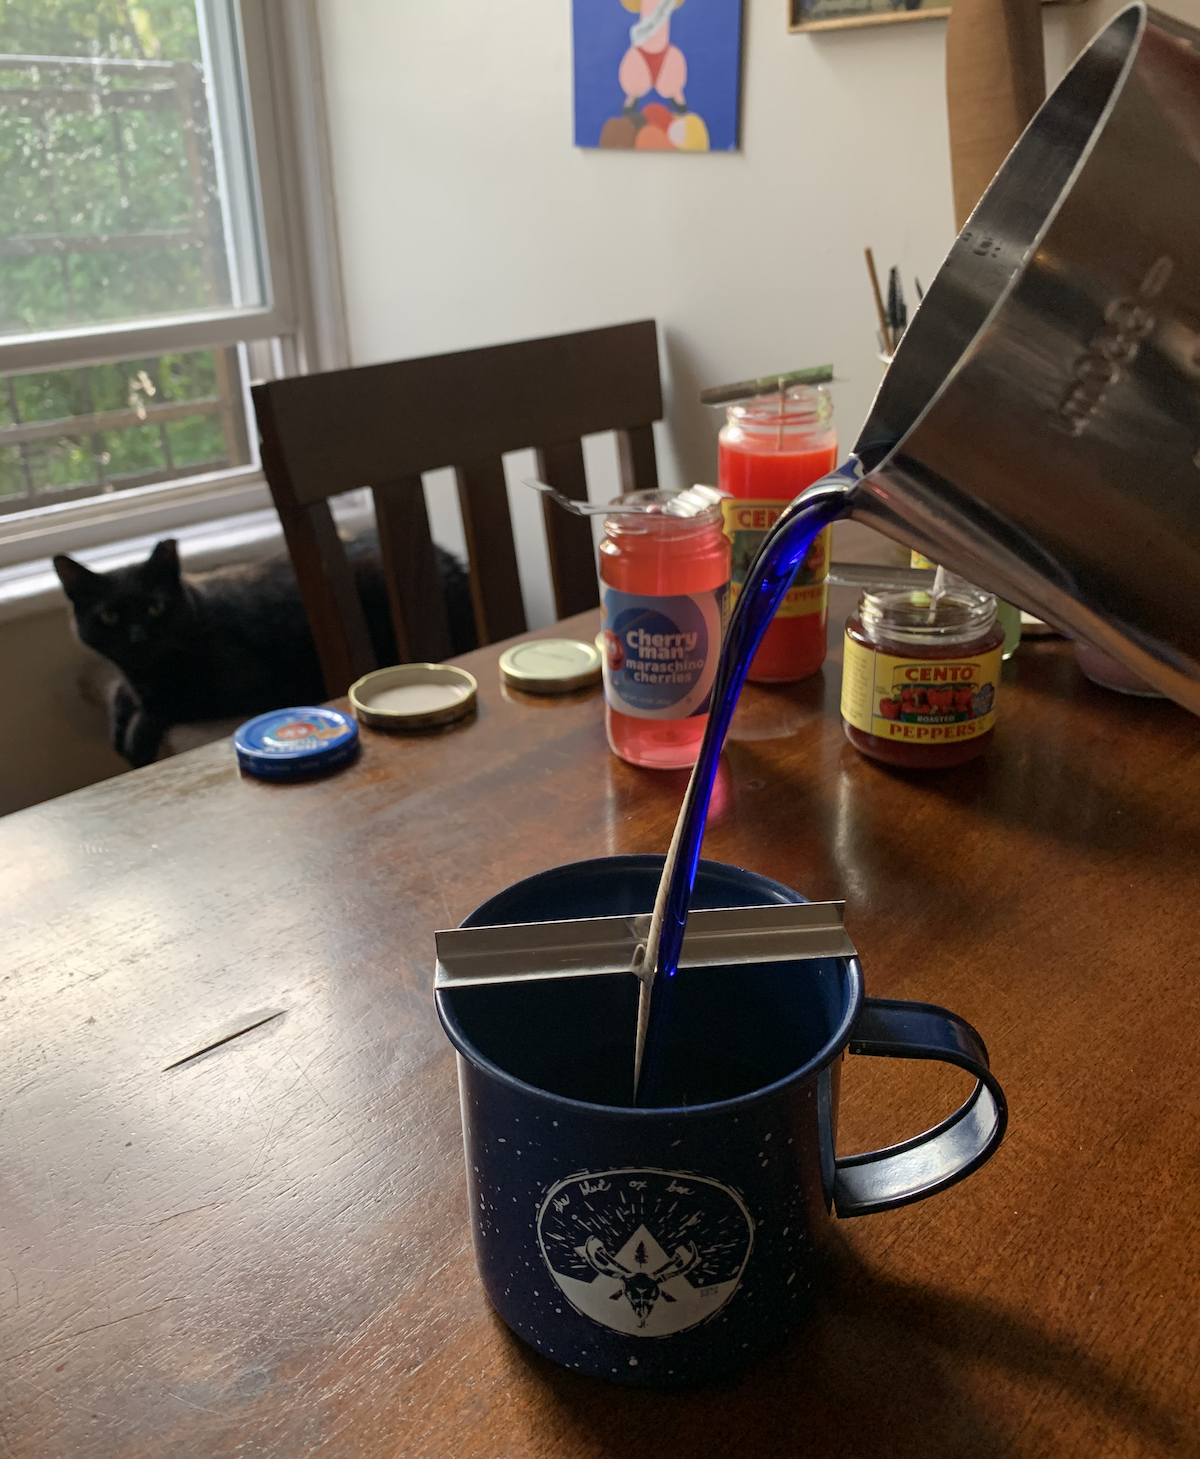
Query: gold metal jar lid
550,665
413,696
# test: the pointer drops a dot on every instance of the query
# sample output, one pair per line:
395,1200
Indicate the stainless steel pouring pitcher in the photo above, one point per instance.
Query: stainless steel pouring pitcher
1039,429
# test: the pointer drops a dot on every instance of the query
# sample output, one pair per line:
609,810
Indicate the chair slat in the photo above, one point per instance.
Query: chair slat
414,588
568,539
331,601
635,448
491,552
335,613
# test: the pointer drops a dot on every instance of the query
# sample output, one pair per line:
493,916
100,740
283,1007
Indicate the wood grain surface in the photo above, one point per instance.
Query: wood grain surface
264,1251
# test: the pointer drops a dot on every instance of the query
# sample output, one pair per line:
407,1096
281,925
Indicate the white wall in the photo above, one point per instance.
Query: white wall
54,739
466,216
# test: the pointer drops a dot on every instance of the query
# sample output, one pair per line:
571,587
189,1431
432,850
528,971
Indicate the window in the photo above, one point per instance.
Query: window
146,268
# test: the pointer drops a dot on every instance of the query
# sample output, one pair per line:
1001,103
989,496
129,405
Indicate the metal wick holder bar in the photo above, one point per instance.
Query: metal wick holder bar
588,947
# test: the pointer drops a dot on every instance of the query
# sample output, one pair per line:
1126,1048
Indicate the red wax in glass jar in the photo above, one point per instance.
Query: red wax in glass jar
919,681
664,585
770,449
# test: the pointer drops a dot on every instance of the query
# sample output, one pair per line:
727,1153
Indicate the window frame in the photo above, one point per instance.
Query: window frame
301,327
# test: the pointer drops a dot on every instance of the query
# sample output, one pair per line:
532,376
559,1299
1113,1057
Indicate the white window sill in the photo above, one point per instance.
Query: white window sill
162,509
32,586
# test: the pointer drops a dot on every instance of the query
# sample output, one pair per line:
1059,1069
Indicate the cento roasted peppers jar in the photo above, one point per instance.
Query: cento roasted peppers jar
919,679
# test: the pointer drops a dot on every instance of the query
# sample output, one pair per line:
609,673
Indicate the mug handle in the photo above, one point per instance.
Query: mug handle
880,1180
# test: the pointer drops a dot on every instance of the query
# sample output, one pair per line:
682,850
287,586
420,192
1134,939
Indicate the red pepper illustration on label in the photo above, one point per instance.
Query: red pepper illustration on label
927,701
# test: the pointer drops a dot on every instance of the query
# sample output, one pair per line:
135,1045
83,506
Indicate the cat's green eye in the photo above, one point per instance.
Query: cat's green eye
155,610
108,617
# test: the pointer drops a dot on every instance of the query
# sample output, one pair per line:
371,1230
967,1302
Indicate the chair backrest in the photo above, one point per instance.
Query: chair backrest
383,425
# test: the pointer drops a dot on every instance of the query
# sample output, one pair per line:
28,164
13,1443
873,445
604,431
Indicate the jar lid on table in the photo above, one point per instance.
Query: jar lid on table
287,744
414,696
550,666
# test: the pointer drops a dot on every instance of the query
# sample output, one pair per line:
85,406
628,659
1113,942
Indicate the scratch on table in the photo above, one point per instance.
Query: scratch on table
244,1025
199,1407
263,1148
66,1401
441,891
346,1130
191,1211
54,1342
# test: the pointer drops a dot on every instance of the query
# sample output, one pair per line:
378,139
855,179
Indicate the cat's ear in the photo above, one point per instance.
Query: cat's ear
162,566
80,583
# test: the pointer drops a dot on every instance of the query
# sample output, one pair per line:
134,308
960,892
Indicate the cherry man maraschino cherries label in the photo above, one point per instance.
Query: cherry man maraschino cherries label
660,653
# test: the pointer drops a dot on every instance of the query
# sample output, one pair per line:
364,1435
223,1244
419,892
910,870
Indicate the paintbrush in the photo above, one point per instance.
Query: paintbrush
897,310
885,340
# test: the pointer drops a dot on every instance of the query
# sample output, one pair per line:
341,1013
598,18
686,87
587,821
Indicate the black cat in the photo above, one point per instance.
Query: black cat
231,641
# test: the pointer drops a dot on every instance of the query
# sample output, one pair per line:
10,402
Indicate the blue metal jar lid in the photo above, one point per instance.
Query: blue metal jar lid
285,744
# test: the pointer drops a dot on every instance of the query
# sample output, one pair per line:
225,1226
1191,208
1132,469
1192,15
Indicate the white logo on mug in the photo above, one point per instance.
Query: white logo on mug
645,1252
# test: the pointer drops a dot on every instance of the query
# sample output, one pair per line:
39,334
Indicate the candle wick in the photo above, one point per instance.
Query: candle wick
935,597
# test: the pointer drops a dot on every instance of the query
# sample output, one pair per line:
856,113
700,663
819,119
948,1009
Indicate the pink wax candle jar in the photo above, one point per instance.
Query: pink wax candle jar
664,585
770,449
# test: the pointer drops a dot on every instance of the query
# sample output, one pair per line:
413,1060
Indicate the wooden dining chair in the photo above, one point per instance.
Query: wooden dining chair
383,425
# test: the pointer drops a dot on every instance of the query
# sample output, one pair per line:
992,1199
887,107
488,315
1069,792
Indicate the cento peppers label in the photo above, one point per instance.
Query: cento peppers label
919,701
746,524
660,653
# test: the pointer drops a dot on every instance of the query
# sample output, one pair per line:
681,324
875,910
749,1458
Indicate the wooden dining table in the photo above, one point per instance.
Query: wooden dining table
233,1214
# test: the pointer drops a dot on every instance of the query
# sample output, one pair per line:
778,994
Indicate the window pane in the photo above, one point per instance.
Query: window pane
125,185
77,433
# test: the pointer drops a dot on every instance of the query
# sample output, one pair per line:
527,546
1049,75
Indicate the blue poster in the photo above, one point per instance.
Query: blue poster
657,75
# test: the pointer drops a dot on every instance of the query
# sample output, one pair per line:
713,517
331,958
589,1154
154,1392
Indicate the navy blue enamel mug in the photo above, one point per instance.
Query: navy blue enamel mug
670,1245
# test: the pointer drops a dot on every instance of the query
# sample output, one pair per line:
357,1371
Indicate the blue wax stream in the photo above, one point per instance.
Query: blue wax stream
768,580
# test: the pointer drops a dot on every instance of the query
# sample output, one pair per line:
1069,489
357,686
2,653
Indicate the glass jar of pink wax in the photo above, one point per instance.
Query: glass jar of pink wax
664,588
770,449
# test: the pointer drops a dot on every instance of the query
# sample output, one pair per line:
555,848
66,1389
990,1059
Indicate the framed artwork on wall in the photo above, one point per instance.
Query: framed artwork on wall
657,75
843,14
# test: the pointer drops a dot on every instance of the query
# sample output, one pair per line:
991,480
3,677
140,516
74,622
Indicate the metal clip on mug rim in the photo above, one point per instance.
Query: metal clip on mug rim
470,957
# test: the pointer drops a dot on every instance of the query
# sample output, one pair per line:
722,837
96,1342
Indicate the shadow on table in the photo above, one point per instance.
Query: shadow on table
887,1367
